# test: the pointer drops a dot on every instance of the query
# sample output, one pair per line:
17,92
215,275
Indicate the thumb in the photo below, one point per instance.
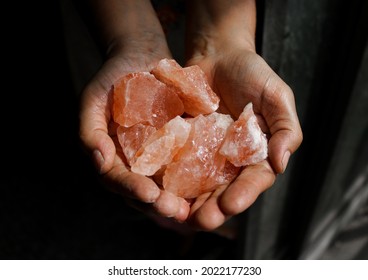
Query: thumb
93,131
281,145
283,122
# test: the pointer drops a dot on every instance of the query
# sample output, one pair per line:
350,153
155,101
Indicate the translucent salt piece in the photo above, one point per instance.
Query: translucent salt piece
132,138
141,98
245,143
224,172
198,167
190,84
159,149
188,157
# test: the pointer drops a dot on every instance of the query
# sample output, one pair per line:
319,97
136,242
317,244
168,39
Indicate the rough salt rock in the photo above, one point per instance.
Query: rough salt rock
187,157
198,167
245,143
159,149
190,83
141,98
224,172
132,138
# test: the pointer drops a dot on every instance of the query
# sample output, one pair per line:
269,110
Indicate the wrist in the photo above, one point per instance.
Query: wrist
150,44
126,26
215,26
208,44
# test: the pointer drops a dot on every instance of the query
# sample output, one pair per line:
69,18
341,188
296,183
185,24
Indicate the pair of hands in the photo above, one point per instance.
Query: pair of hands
238,76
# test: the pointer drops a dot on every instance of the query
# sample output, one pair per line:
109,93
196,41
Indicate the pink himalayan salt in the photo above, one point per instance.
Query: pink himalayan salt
190,84
223,173
245,143
132,138
198,167
159,149
141,102
141,98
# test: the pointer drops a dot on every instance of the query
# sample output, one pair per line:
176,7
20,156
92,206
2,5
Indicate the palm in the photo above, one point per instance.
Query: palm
238,78
97,132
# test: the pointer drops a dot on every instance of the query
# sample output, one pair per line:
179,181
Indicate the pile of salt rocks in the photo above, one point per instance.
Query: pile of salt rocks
169,129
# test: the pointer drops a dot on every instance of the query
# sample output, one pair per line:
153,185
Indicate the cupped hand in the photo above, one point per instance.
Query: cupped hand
240,76
98,137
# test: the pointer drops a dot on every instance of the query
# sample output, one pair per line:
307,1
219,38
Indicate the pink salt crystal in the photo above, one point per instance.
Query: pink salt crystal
191,85
224,173
198,167
245,143
132,138
161,146
141,98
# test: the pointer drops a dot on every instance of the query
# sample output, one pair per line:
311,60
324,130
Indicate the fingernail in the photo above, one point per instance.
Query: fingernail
98,160
153,194
183,212
285,160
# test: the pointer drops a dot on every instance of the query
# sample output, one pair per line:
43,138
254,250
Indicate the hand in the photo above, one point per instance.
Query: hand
240,76
98,136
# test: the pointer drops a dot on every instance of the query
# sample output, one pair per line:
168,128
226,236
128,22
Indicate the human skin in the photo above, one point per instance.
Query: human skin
220,40
132,38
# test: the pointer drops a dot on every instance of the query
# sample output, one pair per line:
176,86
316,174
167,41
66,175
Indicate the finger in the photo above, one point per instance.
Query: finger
176,213
169,205
252,181
182,215
282,145
279,111
205,212
128,184
93,129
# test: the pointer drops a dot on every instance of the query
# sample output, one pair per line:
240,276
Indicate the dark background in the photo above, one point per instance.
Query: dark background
51,203
53,207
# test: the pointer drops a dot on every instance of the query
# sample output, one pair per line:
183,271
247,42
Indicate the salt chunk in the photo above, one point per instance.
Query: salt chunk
161,147
245,143
198,167
132,138
141,98
190,84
